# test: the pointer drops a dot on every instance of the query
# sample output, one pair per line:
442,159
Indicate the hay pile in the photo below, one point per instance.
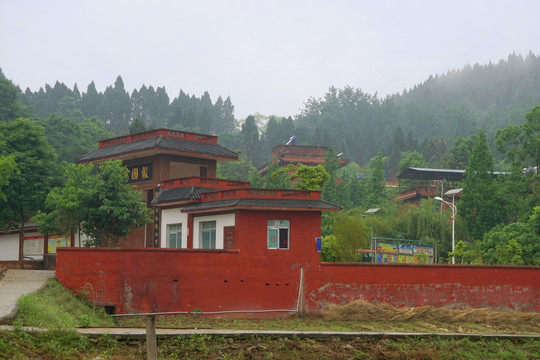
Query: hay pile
360,310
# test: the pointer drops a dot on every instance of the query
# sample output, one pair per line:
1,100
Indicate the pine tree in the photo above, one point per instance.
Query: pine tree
375,190
250,133
91,101
137,126
479,205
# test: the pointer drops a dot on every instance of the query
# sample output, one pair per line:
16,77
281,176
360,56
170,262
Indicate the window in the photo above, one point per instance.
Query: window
278,234
207,234
174,236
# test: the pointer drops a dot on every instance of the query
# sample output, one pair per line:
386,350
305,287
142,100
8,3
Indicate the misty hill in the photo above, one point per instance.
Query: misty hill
427,117
444,107
479,93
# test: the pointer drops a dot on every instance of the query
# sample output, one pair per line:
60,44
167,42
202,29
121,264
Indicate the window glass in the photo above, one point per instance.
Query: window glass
174,236
284,238
272,238
172,240
278,234
208,224
207,235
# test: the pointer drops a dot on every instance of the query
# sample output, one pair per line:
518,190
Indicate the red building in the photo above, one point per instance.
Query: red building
157,155
212,232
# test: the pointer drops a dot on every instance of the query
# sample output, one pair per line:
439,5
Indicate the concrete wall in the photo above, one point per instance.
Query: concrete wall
28,265
9,247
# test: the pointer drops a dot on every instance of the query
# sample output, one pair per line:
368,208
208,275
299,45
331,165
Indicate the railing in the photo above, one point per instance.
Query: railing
204,182
262,194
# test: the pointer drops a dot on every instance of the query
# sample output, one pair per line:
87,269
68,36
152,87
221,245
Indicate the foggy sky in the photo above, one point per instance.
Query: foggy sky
268,56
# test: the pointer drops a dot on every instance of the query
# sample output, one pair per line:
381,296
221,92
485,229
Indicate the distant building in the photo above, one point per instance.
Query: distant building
422,183
284,155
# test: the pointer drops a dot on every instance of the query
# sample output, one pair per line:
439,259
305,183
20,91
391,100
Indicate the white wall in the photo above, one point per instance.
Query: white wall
173,216
79,240
221,221
9,247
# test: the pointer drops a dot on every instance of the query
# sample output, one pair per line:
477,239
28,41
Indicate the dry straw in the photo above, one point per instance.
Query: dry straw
360,310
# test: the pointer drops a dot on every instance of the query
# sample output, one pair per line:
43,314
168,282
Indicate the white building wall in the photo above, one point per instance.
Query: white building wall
32,247
221,222
9,247
79,240
173,216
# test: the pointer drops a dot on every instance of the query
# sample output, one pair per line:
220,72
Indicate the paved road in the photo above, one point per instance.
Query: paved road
17,283
140,334
137,333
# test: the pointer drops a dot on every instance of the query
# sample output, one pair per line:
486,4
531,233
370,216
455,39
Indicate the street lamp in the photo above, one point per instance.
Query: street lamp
372,211
454,212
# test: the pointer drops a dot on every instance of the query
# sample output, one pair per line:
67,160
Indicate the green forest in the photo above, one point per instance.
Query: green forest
481,119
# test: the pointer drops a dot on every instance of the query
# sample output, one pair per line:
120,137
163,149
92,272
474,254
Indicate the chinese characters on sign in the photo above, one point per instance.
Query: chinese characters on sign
156,226
140,173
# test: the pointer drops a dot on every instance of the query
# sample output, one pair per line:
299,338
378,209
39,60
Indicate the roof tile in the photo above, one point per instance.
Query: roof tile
160,143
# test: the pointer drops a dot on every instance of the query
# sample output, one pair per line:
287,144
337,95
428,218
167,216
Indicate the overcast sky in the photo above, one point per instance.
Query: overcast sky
268,56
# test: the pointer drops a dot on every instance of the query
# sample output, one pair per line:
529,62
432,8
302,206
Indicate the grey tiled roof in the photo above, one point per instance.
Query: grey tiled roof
161,143
181,194
264,203
436,174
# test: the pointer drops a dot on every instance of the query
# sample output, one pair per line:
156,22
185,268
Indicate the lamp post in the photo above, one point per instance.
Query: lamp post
454,212
372,211
372,244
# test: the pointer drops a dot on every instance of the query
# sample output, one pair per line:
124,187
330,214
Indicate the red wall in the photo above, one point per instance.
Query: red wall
253,277
438,285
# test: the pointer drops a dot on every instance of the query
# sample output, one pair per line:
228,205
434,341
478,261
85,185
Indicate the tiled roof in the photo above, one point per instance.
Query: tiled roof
436,174
161,143
181,194
283,204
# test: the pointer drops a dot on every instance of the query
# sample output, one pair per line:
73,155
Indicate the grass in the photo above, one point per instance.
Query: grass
63,344
67,344
55,307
